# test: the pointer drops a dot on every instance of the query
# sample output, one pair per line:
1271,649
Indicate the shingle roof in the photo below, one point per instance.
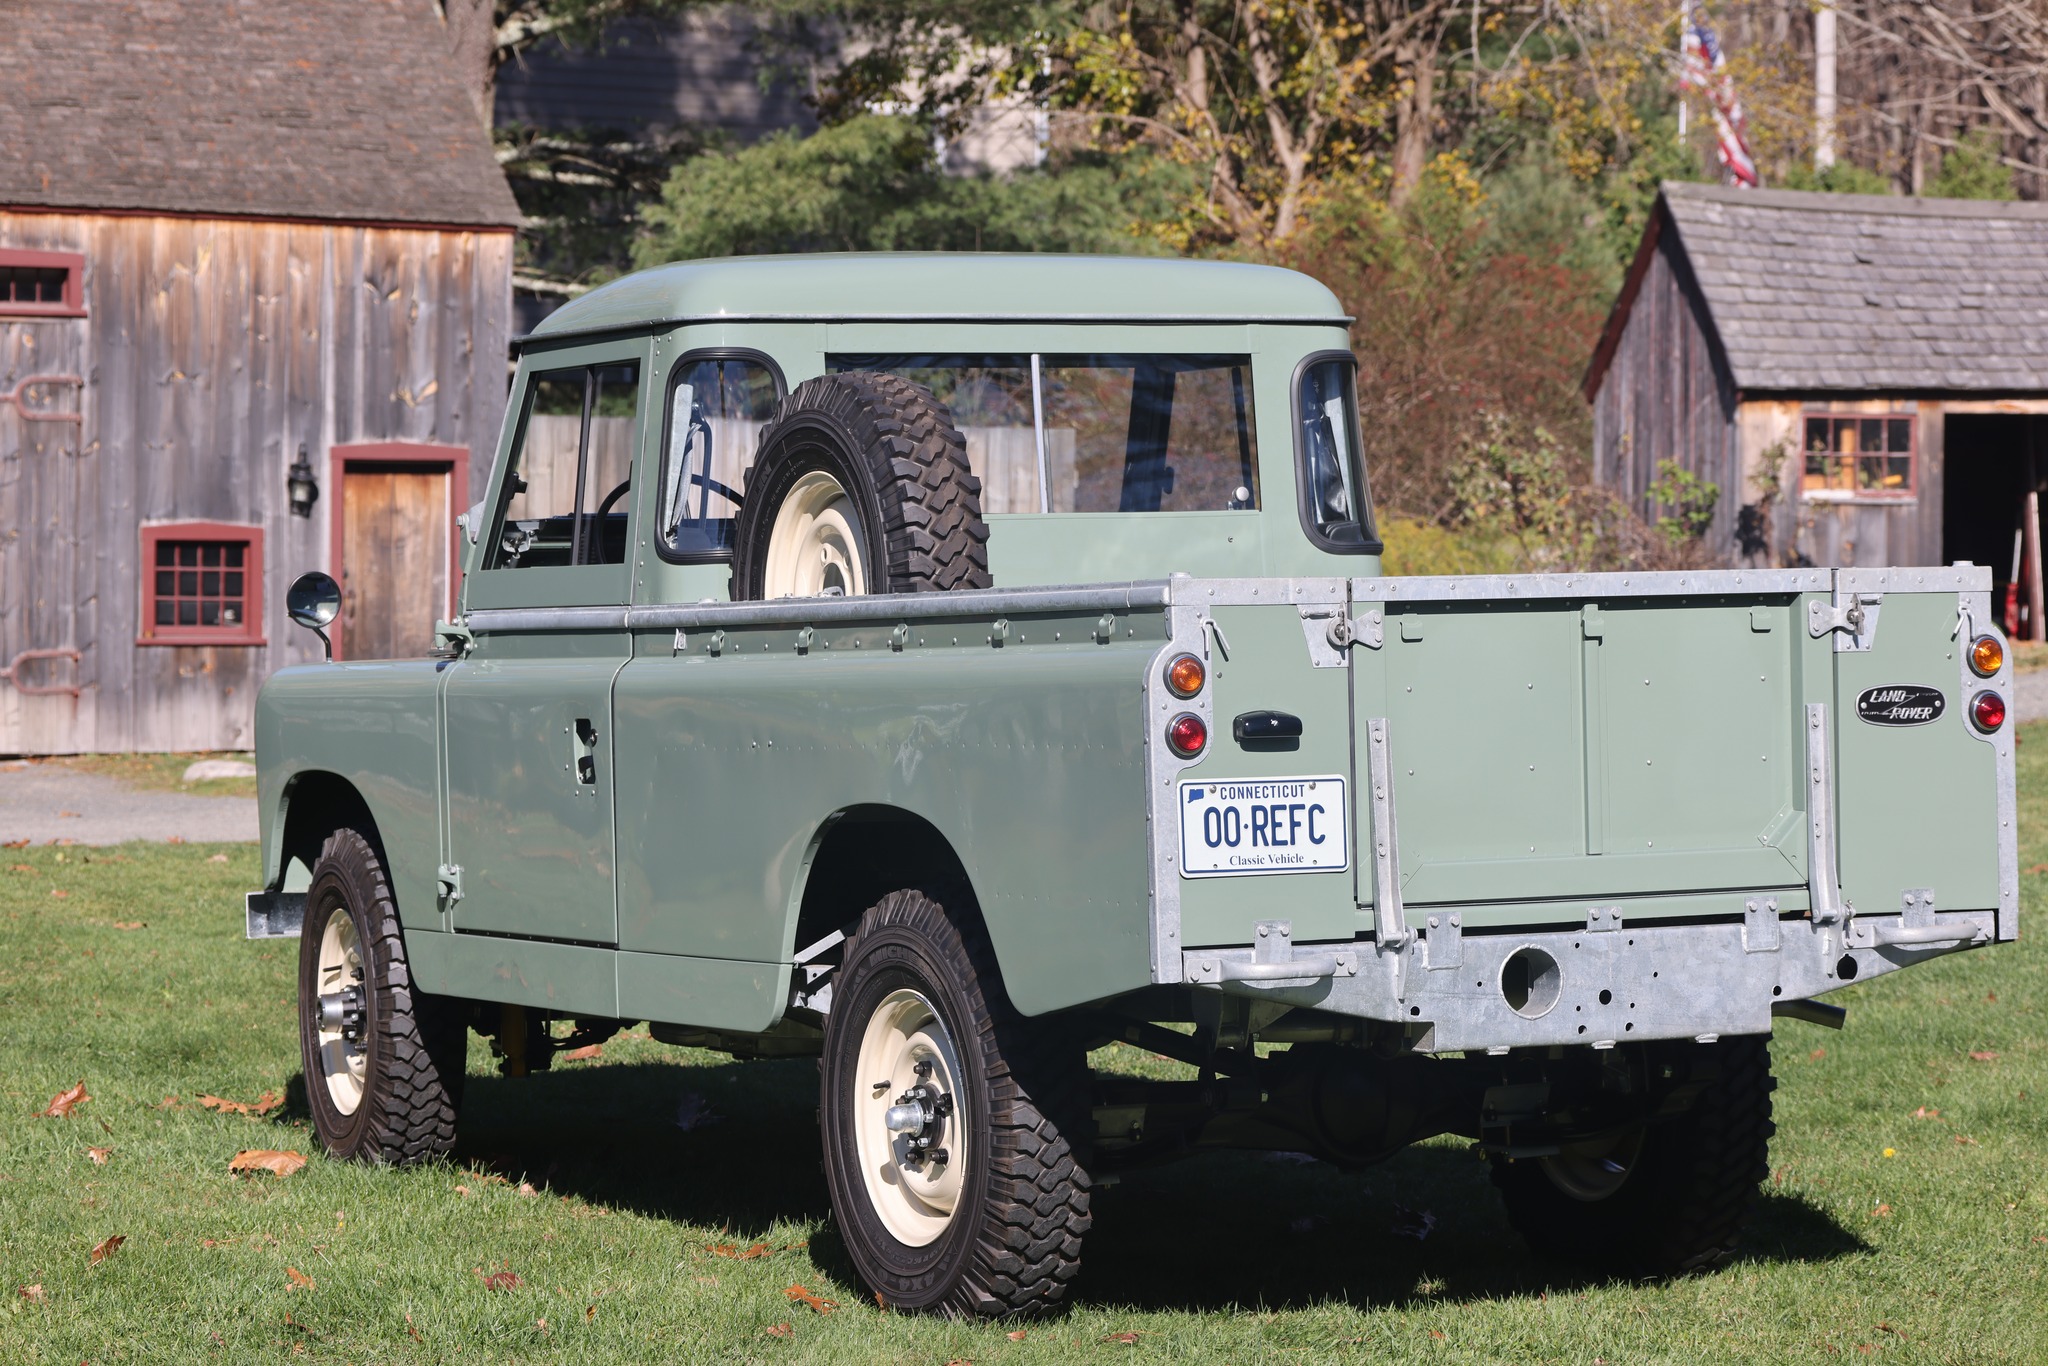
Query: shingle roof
1814,291
273,108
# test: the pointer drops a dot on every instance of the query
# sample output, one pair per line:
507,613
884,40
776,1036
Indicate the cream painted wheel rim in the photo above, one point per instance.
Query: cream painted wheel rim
814,548
915,1199
1594,1171
343,1062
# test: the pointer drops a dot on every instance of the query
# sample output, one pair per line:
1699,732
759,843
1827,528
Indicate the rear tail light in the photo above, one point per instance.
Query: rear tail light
1987,711
1987,656
1187,736
1185,676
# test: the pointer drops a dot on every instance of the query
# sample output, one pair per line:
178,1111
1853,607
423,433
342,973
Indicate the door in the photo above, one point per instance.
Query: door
394,559
528,712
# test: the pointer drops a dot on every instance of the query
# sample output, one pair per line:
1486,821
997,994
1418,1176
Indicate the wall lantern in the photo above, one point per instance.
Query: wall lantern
303,488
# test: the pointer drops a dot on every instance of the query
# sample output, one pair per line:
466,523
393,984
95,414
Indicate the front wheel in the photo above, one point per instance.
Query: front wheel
954,1185
383,1060
1662,1198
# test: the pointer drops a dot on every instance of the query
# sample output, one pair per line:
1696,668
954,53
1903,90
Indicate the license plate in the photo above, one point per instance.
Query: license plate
1263,825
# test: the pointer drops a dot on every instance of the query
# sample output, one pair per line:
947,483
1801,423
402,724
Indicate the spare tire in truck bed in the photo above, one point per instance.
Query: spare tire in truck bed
861,485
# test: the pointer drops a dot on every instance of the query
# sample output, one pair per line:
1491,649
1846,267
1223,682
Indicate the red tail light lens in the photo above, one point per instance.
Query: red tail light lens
1187,736
1987,711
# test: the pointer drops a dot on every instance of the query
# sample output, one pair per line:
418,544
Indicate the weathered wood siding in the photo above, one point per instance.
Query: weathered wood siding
211,351
1666,395
1836,532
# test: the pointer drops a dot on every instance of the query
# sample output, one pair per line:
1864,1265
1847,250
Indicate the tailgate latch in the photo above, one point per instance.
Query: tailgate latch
1853,614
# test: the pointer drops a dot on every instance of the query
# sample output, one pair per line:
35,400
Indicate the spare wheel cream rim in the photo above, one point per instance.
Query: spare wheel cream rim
907,1060
343,1062
814,546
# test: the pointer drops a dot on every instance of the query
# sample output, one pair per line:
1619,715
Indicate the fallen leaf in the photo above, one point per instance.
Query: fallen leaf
526,1188
583,1054
2037,867
1887,1328
1965,1141
33,1293
1437,1334
1416,1224
21,868
99,1156
1985,1055
59,892
131,925
779,1330
462,1190
69,815
267,1160
541,1323
1991,996
299,1278
818,1303
175,839
1017,1336
107,1248
218,858
503,1279
412,1330
15,844
740,1254
1816,1055
256,1109
61,1103
1127,1338
1925,1113
589,1312
1881,1212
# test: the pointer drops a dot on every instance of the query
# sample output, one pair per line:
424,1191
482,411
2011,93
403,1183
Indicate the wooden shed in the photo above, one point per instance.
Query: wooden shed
1865,378
240,240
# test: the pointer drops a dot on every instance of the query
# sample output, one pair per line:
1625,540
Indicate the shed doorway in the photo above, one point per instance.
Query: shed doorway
395,546
1990,462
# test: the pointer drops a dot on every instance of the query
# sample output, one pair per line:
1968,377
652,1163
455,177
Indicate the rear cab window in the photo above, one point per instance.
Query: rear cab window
1095,433
716,407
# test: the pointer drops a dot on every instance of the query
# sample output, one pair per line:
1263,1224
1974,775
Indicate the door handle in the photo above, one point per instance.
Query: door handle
586,750
1265,725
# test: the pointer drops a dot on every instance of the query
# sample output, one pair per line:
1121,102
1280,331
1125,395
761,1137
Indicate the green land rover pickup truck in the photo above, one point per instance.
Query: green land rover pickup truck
947,665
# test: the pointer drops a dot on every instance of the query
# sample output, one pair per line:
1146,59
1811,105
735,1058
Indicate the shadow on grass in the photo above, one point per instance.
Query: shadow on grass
1215,1231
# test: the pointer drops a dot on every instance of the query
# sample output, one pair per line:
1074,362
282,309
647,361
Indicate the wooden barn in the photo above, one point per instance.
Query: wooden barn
1865,378
255,294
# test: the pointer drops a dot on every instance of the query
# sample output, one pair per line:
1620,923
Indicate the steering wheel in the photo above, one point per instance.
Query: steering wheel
612,497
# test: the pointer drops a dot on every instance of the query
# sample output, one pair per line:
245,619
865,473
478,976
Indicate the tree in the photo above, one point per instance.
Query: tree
873,183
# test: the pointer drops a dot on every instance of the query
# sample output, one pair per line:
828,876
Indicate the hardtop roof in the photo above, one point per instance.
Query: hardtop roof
947,286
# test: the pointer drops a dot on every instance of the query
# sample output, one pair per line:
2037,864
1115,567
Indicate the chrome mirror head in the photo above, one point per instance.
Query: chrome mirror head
314,600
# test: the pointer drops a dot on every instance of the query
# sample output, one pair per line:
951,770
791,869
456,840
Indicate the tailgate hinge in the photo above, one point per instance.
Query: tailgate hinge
449,877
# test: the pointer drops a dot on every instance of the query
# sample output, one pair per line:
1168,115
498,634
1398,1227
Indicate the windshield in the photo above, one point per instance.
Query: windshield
1096,433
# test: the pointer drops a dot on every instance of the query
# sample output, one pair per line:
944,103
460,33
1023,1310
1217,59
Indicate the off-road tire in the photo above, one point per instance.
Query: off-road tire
894,449
415,1043
1690,1192
1014,1243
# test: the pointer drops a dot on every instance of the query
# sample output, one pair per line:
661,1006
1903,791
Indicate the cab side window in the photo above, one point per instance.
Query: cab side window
716,410
571,467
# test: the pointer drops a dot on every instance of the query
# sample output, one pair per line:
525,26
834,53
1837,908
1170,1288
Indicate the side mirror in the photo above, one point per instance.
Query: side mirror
314,600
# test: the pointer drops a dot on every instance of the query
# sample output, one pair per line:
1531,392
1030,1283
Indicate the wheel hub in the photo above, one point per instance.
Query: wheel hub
342,1009
919,1114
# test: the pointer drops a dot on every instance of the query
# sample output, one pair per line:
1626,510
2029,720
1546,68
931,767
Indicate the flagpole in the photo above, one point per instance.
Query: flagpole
1684,22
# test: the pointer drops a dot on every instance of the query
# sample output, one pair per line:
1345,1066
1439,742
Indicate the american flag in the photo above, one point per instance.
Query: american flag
1703,68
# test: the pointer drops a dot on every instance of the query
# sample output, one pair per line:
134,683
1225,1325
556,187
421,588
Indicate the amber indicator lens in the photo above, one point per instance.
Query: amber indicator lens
1186,734
1987,711
1987,656
1185,675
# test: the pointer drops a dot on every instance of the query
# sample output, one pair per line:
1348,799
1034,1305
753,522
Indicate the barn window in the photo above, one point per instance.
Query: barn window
1855,456
202,584
41,284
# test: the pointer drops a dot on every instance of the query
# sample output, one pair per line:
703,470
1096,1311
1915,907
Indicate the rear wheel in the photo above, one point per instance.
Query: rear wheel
1663,1198
383,1061
954,1186
861,486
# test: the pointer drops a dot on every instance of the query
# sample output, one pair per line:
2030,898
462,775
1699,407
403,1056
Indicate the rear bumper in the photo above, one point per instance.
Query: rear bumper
1603,985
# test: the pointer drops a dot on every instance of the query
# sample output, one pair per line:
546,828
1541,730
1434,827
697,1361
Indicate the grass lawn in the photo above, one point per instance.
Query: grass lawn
580,1223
